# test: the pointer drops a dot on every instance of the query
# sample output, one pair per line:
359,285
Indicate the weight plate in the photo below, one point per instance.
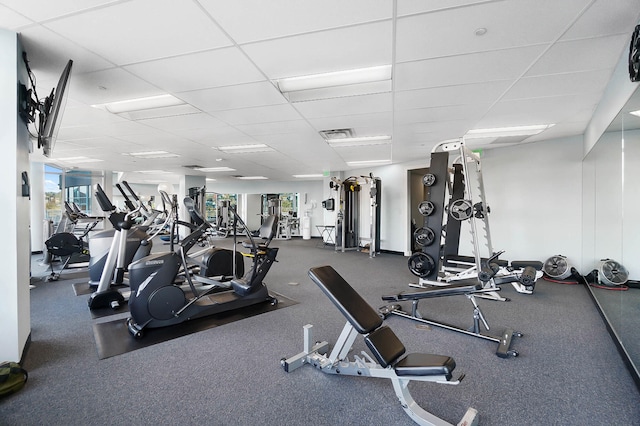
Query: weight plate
424,236
429,179
461,209
421,264
426,208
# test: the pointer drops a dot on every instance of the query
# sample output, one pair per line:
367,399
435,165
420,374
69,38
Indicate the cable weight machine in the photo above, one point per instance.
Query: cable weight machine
349,224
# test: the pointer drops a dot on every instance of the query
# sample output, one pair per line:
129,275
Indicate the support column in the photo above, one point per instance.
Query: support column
15,215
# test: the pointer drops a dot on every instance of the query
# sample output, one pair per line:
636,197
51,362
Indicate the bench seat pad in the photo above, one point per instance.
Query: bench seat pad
418,364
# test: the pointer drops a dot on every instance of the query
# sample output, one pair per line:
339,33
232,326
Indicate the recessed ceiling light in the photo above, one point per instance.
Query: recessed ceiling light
480,32
252,177
313,175
636,113
359,141
338,78
507,131
153,154
244,149
138,104
215,169
368,163
152,172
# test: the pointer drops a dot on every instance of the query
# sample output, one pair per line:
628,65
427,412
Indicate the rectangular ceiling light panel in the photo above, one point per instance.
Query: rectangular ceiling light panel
332,79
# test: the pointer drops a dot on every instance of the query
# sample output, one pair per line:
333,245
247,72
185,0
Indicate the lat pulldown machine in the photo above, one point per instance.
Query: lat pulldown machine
347,227
389,360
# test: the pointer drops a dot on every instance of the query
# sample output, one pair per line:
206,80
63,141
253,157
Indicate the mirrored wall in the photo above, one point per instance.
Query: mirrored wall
611,221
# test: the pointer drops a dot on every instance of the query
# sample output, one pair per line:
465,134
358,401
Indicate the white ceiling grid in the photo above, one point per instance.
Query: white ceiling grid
539,62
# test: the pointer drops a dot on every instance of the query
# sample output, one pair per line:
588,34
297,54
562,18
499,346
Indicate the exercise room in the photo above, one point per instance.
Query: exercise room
372,212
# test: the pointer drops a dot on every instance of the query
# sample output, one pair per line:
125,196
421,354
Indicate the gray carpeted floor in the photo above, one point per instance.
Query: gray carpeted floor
568,371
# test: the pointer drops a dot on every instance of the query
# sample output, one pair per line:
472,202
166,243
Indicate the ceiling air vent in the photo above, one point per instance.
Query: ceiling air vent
337,134
193,166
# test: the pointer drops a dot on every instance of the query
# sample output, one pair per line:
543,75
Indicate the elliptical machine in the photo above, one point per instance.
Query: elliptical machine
127,244
158,301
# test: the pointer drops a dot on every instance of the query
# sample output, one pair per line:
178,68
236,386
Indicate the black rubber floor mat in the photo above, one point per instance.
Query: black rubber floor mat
113,338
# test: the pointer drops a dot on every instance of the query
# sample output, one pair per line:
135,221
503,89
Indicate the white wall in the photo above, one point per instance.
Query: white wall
535,195
15,251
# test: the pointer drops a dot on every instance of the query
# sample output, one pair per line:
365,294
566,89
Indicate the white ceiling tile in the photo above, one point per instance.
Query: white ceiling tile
508,24
40,10
48,54
110,85
559,84
581,55
12,20
363,124
465,69
213,68
409,7
184,122
295,126
234,97
521,112
479,93
264,114
443,113
210,136
334,50
352,105
605,17
142,30
292,17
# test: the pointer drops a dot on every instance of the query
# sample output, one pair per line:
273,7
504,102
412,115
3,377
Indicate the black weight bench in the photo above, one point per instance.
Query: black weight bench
470,289
389,358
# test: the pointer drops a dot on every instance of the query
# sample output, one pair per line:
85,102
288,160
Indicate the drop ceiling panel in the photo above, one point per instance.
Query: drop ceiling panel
198,70
365,153
334,50
380,120
605,17
48,54
142,30
445,113
366,104
508,25
110,85
559,84
234,97
299,127
483,93
12,20
292,17
209,136
264,114
581,55
40,10
409,7
466,69
187,122
522,112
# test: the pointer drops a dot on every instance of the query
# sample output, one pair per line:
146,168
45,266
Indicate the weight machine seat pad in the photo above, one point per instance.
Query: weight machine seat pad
357,311
471,259
417,364
521,264
435,291
385,346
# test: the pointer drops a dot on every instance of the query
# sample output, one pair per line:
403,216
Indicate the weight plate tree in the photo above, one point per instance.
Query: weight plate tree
426,264
452,239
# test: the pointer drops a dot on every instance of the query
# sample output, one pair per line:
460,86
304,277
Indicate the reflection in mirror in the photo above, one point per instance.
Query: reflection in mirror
611,201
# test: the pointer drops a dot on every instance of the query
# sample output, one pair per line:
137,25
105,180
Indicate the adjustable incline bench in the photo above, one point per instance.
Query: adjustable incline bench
390,359
470,288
